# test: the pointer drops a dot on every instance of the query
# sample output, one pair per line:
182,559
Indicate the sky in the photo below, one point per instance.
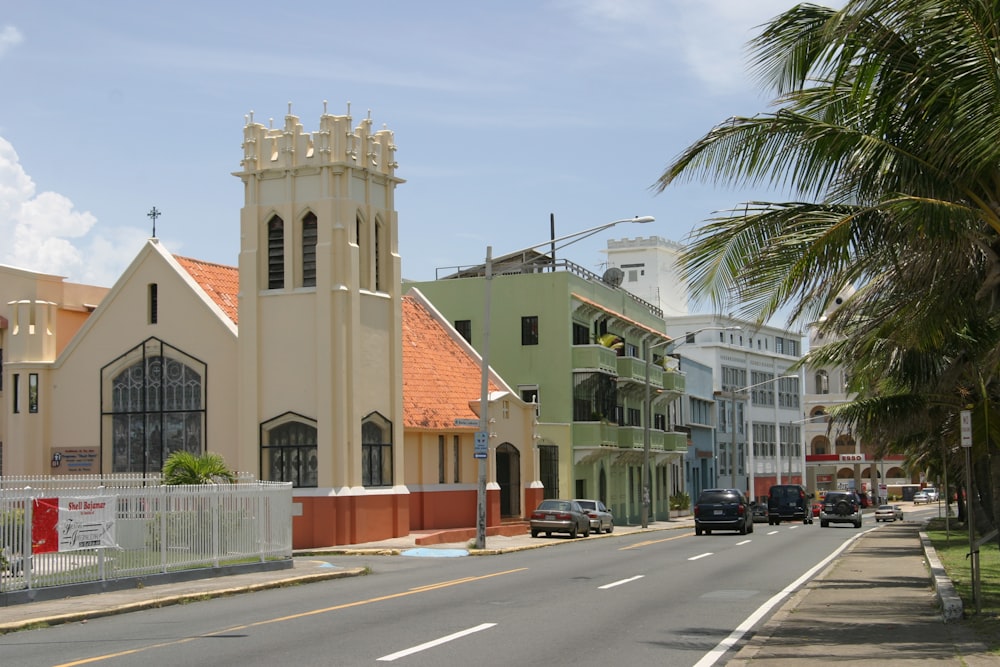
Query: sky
504,114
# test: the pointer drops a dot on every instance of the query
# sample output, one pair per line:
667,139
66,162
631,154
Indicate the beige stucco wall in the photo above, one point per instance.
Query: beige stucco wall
121,323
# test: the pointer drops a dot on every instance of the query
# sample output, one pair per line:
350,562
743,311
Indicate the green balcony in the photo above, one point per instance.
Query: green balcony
630,368
674,442
595,357
674,382
592,434
630,437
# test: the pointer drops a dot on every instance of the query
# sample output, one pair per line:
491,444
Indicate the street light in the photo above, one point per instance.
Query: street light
482,437
648,406
777,432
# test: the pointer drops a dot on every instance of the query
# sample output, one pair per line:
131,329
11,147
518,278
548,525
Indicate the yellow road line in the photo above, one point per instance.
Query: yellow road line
280,619
648,542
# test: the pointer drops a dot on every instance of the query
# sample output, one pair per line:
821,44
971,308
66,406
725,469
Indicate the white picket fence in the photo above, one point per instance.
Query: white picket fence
157,529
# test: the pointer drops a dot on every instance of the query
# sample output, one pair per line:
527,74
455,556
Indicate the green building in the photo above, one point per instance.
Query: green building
575,343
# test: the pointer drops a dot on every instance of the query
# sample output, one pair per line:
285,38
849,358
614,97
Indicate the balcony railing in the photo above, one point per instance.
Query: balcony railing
593,434
595,357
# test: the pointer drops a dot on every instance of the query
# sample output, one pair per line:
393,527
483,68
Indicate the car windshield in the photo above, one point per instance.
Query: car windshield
717,497
885,508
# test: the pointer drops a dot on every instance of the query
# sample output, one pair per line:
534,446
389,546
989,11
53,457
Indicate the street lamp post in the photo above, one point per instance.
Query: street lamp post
482,436
648,407
777,433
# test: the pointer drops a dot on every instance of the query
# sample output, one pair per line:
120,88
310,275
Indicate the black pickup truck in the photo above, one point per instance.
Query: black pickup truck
722,509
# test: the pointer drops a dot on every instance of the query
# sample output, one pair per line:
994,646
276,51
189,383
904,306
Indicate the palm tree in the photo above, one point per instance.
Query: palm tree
183,467
886,135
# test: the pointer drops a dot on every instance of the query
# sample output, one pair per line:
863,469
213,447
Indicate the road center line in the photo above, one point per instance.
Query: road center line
648,542
619,583
774,532
739,544
700,556
292,617
435,642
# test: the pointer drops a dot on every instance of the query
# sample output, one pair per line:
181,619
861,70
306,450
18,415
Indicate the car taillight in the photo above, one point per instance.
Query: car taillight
564,516
696,509
740,509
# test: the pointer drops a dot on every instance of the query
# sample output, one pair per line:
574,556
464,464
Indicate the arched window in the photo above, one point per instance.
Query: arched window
152,404
376,450
275,253
309,234
822,382
288,451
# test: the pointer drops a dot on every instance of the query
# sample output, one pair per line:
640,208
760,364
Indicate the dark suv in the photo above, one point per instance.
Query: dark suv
722,509
788,502
840,507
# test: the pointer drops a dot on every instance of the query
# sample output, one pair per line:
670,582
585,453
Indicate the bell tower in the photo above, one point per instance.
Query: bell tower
320,391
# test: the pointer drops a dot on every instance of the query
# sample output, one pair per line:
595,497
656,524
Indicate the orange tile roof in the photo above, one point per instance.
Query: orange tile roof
220,282
440,377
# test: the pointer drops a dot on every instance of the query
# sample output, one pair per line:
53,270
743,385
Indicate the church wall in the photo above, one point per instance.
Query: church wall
122,322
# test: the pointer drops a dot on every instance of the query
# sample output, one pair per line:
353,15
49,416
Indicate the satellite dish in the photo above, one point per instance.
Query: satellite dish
613,276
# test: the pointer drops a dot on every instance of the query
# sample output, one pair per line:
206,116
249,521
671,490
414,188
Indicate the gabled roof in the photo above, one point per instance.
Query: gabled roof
220,282
440,376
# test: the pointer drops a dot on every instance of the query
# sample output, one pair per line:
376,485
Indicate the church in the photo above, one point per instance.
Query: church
305,363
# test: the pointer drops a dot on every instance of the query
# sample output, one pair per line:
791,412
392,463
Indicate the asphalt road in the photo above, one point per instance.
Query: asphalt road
655,598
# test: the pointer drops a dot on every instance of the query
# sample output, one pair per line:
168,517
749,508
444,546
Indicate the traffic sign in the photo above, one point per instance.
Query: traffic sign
482,446
966,416
466,422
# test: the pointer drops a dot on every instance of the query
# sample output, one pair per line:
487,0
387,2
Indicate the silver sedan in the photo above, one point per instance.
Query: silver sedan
601,518
559,516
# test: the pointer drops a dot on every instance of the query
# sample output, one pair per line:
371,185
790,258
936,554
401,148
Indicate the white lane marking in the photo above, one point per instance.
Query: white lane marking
619,583
701,556
792,527
773,532
712,656
436,642
739,544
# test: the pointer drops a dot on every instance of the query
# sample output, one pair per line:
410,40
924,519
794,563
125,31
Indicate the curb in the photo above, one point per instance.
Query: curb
951,603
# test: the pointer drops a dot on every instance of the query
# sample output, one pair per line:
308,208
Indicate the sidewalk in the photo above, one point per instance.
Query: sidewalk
874,604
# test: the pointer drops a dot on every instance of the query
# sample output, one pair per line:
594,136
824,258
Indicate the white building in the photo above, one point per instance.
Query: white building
758,409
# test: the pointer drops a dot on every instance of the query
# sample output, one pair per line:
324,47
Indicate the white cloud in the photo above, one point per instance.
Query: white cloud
50,236
705,38
9,38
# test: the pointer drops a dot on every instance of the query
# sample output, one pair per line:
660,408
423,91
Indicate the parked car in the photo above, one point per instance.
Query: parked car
921,497
788,502
887,513
601,519
932,494
759,513
559,516
722,509
840,507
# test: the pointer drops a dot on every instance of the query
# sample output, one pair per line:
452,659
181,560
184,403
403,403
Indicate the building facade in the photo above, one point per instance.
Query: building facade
290,366
574,343
836,458
758,399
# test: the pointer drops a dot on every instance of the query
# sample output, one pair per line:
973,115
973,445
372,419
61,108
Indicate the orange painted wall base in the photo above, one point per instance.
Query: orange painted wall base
331,520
